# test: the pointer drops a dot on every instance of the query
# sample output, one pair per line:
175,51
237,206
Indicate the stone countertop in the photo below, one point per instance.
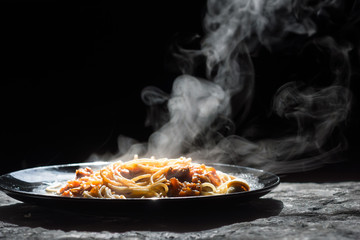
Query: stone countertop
291,211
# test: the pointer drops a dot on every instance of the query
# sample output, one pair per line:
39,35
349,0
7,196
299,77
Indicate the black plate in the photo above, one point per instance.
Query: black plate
29,186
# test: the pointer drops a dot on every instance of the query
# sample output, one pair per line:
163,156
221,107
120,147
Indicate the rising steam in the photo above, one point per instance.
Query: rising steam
196,119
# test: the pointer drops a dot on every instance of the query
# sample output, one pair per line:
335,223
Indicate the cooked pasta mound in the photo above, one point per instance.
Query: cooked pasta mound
151,178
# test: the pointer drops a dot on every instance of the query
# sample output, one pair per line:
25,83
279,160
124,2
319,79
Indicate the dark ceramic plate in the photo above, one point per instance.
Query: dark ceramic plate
29,186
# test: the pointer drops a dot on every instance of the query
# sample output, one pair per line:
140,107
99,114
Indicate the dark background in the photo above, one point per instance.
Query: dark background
72,75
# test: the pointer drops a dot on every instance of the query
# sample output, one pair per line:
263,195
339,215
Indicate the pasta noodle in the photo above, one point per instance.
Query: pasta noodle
151,178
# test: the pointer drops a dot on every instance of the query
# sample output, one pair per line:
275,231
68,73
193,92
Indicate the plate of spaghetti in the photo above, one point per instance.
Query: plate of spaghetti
144,183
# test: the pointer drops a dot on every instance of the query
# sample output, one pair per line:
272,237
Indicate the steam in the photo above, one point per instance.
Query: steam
196,119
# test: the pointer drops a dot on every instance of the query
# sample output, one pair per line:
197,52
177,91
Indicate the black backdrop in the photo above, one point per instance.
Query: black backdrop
72,74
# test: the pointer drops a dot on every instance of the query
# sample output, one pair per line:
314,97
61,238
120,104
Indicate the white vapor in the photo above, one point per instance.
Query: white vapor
193,119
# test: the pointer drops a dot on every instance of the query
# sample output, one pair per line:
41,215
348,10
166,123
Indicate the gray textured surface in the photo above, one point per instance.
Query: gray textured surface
291,211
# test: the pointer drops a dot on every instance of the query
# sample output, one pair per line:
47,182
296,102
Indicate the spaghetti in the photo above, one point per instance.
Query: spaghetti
151,178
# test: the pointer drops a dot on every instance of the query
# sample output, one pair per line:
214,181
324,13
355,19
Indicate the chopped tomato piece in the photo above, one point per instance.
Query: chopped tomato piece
83,172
